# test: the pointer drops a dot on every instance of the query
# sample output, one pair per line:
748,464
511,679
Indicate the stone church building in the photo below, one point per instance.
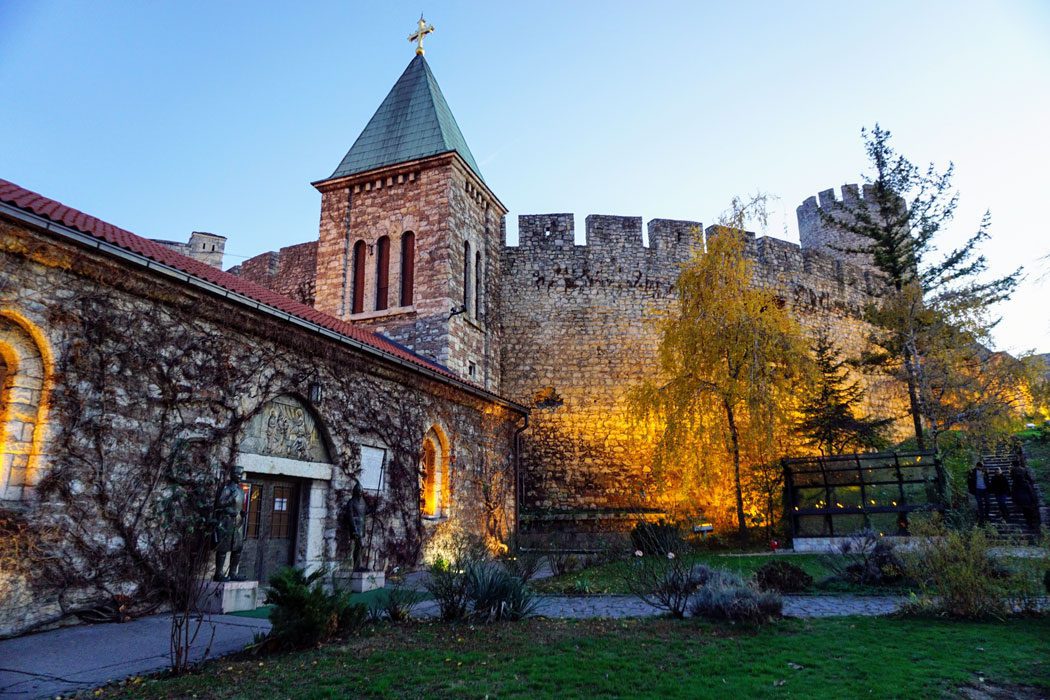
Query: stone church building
463,382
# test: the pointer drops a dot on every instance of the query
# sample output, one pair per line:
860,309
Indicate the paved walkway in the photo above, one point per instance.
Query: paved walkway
617,606
69,659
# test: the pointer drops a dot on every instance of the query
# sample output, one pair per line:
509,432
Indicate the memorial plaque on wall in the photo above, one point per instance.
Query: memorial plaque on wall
372,459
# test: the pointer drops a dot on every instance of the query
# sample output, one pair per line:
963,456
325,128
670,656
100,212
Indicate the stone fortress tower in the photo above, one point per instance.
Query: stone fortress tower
412,245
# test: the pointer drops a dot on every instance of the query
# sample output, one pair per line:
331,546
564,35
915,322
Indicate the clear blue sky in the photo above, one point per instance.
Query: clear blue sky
170,117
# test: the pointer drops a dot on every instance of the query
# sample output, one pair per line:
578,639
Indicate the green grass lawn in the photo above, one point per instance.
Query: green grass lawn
845,657
609,578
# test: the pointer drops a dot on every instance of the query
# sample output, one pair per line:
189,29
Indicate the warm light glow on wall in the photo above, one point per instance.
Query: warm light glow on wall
34,449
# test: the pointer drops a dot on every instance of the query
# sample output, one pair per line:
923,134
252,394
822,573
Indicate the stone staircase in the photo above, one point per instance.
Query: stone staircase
1014,530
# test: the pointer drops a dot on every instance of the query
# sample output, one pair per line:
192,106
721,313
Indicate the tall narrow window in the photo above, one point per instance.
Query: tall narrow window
382,273
428,498
357,304
408,267
477,286
466,276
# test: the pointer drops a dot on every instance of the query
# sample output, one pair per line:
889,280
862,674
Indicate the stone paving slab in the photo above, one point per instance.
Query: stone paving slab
86,656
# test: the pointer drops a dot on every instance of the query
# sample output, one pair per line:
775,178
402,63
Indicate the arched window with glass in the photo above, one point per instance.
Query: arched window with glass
466,276
357,298
382,273
408,267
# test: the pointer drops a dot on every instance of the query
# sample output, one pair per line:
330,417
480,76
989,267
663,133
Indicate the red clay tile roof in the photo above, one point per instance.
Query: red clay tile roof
14,195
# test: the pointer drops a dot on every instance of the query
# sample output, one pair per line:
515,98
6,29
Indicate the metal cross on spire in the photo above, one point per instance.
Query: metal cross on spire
421,32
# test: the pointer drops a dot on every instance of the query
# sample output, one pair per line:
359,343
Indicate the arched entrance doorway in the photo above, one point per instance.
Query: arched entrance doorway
287,472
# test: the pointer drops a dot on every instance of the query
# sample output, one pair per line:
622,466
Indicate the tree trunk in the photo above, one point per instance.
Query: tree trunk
913,395
734,439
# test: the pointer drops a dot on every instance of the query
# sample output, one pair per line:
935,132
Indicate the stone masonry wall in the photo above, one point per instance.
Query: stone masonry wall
579,329
291,271
442,204
195,364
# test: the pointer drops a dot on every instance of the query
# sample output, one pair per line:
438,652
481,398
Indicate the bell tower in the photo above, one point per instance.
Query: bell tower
410,233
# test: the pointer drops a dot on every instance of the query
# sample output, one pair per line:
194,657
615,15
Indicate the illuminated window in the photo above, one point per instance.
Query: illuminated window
382,273
435,478
429,494
408,267
23,397
358,303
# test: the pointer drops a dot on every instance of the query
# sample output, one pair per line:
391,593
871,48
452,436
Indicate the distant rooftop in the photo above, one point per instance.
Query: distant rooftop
413,122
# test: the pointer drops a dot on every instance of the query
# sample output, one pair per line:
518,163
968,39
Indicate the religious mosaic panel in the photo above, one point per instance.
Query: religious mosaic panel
285,428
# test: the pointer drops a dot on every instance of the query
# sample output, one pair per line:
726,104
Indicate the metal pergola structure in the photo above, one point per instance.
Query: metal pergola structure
842,494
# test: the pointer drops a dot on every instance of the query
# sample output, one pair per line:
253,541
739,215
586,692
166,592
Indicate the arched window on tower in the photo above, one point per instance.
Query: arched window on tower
357,302
408,267
466,276
382,273
477,286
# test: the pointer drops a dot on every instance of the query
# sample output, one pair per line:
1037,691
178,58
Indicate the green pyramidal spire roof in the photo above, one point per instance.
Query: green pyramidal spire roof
413,122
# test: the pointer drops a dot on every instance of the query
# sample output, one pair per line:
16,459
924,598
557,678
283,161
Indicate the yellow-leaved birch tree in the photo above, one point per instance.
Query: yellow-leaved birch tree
731,360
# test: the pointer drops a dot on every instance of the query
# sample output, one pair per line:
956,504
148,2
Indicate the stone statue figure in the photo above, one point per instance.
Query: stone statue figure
353,520
229,526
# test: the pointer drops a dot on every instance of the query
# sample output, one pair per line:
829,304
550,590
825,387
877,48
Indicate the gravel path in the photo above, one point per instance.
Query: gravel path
616,606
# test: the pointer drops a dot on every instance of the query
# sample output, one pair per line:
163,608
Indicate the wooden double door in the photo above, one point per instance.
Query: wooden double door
271,528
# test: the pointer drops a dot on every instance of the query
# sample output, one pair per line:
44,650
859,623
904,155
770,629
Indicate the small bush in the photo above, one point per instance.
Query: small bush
447,582
562,563
868,559
496,595
664,581
304,614
957,577
396,603
656,539
523,563
782,577
726,597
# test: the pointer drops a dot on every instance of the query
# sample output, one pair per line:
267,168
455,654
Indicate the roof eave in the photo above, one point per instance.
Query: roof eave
330,183
82,239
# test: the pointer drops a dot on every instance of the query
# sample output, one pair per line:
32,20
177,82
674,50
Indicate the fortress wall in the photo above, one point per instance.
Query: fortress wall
290,271
580,328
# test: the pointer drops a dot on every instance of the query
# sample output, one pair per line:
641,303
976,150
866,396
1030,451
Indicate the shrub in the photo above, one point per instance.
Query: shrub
562,563
304,614
496,595
782,577
447,582
664,581
866,558
396,603
957,577
523,563
658,538
726,597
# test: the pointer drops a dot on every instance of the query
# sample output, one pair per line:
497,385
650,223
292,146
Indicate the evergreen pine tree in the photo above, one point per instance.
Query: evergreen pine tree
828,416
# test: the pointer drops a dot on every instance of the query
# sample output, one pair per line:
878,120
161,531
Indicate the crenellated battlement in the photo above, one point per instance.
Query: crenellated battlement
817,232
606,235
547,241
